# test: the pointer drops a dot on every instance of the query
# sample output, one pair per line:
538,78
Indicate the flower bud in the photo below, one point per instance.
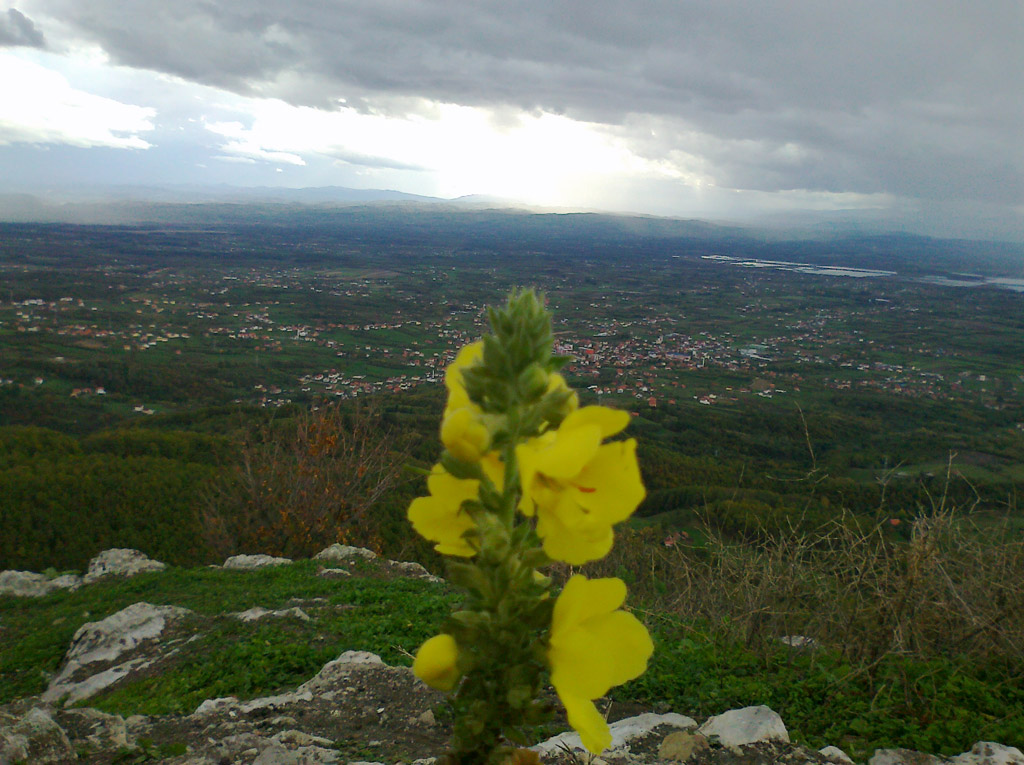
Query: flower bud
464,435
436,662
532,382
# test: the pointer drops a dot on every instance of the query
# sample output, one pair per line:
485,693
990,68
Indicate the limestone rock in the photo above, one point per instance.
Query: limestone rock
989,753
427,719
109,638
623,732
257,613
103,731
300,739
338,553
333,672
903,757
334,573
106,641
275,754
801,642
233,707
680,746
120,562
35,738
28,584
73,692
254,561
749,725
410,568
835,754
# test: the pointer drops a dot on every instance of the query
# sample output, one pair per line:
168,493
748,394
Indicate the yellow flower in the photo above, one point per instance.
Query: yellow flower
468,356
440,517
594,646
557,384
464,433
436,662
578,487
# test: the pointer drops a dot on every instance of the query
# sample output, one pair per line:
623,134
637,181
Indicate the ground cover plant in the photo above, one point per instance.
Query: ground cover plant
702,664
794,433
388,616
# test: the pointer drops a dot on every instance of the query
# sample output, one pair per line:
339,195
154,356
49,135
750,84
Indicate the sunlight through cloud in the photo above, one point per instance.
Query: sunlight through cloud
39,106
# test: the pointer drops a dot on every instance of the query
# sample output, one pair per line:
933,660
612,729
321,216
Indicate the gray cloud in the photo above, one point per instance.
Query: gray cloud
919,99
17,29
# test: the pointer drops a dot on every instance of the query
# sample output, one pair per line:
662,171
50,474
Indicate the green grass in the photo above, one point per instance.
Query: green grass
939,705
231,658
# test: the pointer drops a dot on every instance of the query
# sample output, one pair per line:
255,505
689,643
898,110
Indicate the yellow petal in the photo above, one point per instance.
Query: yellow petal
528,457
467,356
571,449
600,653
583,598
574,546
436,662
593,646
610,485
440,518
609,421
494,469
464,434
557,383
588,722
432,518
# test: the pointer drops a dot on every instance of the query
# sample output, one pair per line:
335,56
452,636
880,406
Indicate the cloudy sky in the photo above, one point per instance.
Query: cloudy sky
908,110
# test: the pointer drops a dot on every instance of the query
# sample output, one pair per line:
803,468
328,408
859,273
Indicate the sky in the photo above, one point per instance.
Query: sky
910,112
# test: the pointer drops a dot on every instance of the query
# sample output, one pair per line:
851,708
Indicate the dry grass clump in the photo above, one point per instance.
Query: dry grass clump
950,589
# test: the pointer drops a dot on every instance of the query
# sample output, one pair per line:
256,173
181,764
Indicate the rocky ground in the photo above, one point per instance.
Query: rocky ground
356,709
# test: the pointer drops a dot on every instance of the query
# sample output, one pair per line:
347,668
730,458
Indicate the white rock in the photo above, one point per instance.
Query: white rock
120,562
36,738
411,568
67,581
339,552
904,757
300,738
213,706
330,675
835,754
28,584
120,632
427,718
326,680
257,613
990,753
73,692
107,640
108,731
333,573
24,584
623,732
254,561
275,754
739,727
799,641
232,706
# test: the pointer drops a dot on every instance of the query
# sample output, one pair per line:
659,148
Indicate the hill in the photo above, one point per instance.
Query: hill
274,661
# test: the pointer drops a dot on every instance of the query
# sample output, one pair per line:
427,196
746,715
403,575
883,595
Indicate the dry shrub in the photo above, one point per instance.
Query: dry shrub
302,485
952,588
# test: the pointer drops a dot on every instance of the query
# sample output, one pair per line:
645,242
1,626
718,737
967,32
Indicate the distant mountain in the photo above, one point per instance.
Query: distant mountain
499,226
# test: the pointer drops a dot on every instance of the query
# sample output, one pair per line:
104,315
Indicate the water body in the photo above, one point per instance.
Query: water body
803,268
957,280
1016,285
